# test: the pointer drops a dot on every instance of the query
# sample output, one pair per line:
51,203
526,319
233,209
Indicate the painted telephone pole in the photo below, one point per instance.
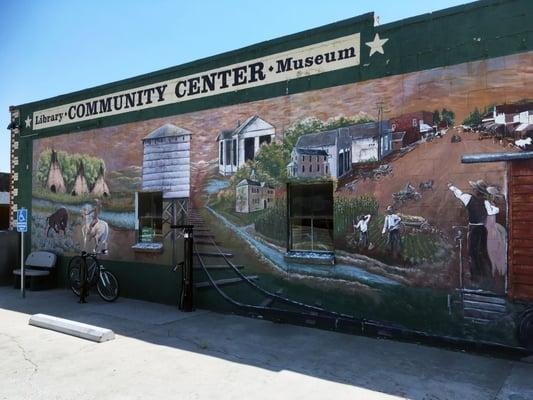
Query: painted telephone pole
379,106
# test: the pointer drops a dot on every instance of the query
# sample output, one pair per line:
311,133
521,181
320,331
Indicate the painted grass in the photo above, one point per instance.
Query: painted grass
118,202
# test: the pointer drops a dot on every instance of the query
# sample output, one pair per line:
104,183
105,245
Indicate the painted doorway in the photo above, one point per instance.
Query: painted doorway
249,149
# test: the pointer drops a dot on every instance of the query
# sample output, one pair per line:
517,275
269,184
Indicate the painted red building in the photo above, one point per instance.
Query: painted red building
411,124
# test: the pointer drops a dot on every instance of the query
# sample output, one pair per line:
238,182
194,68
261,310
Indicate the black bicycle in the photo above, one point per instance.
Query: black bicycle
106,283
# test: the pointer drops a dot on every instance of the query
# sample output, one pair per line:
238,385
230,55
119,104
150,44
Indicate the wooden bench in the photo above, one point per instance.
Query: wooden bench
38,267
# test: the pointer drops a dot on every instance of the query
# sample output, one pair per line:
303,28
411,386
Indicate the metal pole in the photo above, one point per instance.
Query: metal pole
186,298
461,285
83,279
174,233
22,288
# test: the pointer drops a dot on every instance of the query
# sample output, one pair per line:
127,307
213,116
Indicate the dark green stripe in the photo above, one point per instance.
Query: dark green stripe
427,41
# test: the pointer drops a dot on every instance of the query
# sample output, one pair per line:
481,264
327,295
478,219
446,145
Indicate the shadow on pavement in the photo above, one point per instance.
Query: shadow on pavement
399,369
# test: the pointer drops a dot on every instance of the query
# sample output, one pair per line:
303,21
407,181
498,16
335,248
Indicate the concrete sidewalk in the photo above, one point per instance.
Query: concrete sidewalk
161,353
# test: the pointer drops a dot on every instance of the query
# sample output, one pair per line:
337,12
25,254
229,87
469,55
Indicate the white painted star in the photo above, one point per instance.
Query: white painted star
28,121
376,45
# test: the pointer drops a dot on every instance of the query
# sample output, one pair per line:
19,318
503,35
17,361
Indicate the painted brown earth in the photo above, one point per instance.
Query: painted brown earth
439,160
459,88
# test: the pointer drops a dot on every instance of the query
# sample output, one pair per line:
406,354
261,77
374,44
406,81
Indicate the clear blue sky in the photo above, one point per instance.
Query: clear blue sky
48,48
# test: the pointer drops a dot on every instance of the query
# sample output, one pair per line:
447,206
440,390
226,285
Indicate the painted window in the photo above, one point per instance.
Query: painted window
221,153
310,217
150,216
340,164
234,151
265,139
228,152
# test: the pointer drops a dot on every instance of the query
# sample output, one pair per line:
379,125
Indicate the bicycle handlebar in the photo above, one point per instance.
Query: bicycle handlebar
93,254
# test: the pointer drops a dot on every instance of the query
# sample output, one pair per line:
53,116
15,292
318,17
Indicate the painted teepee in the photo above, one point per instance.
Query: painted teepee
55,182
80,184
100,187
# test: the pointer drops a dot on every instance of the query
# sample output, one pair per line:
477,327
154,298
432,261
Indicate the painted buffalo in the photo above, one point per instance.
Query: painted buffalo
57,221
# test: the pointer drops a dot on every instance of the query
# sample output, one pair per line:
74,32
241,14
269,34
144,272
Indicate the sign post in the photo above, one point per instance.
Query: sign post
22,226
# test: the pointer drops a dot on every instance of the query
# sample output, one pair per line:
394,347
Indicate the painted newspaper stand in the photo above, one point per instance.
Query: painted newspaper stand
322,172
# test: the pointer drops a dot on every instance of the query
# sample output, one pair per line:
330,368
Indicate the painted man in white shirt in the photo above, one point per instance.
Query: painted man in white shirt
362,226
392,227
478,208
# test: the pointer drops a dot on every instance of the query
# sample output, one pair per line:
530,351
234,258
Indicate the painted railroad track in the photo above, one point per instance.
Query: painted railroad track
211,258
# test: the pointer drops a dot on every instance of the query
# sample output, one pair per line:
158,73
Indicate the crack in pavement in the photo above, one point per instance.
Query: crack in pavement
24,354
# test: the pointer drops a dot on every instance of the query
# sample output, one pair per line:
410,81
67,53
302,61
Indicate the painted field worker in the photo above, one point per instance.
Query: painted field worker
362,226
478,208
392,228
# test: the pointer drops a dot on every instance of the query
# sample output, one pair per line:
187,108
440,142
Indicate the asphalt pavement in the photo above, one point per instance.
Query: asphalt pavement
162,353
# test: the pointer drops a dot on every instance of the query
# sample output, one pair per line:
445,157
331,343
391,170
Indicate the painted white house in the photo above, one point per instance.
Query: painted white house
237,146
309,163
331,150
251,195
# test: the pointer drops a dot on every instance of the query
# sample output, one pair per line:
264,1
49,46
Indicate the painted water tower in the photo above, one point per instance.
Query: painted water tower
166,162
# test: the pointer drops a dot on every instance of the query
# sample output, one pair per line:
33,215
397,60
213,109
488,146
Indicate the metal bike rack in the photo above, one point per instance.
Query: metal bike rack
83,279
186,301
186,298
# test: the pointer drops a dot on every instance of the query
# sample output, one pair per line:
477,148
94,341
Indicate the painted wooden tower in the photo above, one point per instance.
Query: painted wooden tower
166,162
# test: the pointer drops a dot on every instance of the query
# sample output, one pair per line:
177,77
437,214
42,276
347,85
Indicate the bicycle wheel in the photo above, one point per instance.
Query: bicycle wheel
107,286
74,268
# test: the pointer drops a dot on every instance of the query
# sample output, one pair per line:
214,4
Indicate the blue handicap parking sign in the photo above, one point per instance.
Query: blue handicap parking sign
22,220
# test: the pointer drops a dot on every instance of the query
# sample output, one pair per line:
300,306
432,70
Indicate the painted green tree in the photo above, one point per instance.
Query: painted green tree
448,117
473,119
436,117
476,116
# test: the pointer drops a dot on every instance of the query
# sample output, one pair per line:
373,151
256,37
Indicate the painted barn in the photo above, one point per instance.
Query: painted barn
166,162
55,182
413,124
241,144
336,143
80,183
253,196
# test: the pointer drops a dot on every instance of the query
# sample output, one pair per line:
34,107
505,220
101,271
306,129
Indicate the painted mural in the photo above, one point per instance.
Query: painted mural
352,198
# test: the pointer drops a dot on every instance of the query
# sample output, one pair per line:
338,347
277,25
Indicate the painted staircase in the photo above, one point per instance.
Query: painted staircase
483,307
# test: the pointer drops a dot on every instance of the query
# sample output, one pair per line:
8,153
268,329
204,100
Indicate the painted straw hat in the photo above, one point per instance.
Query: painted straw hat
482,187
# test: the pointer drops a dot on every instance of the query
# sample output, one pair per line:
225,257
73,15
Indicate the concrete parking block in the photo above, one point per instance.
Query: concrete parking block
74,328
